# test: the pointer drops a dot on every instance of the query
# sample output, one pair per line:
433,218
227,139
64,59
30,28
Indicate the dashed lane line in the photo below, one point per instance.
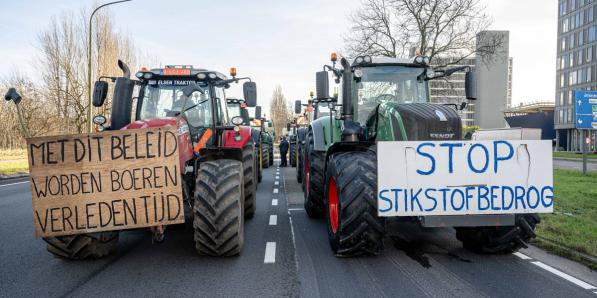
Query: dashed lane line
557,272
273,220
275,202
275,190
270,253
565,276
276,183
522,256
296,209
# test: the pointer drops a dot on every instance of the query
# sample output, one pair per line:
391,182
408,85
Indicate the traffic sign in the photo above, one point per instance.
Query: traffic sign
585,111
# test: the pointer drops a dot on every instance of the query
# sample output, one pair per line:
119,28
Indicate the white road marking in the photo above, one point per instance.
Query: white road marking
275,190
275,202
270,253
13,183
277,177
522,256
296,209
273,220
565,276
276,183
595,292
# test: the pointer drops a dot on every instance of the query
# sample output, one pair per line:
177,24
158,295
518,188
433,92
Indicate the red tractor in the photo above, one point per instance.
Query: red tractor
217,154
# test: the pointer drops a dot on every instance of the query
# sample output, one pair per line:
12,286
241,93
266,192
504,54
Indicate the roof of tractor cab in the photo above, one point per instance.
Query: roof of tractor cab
174,71
387,61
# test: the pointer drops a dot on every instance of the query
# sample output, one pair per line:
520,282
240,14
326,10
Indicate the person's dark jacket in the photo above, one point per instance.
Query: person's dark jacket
283,146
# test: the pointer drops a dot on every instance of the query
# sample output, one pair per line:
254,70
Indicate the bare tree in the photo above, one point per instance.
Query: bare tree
434,28
33,109
279,112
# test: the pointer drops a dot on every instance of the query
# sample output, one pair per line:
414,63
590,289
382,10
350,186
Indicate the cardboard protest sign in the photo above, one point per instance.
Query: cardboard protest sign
458,178
112,180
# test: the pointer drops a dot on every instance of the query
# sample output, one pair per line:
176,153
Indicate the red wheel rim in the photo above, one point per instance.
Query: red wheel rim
307,176
333,205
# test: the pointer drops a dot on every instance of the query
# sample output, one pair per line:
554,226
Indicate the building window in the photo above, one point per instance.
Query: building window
592,33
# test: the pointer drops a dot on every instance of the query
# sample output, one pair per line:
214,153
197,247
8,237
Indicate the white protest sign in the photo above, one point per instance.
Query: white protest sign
464,177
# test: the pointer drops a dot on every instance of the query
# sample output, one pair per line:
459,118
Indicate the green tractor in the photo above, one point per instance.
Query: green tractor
263,139
386,100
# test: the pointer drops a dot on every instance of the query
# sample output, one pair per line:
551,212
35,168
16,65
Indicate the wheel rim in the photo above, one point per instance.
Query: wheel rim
333,205
307,176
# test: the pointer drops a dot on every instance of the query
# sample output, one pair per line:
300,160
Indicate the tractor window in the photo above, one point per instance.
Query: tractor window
160,100
221,106
381,84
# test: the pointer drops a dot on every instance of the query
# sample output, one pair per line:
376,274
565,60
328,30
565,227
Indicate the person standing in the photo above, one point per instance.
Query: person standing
283,151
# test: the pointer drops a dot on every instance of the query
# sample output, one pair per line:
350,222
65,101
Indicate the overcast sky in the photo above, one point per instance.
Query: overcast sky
274,42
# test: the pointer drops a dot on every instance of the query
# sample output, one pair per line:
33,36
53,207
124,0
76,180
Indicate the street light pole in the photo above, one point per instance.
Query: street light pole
89,122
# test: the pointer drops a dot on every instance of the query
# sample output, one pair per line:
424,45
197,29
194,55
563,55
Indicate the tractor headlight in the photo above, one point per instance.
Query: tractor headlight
201,76
147,75
139,75
367,59
359,60
212,75
419,60
237,120
426,60
358,73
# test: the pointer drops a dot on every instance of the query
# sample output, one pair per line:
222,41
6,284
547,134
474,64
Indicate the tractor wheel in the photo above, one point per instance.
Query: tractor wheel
354,229
218,208
299,166
271,154
249,178
499,240
265,156
83,246
314,180
293,155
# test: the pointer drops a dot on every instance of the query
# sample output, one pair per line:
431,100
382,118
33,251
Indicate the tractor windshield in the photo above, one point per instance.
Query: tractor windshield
400,84
162,100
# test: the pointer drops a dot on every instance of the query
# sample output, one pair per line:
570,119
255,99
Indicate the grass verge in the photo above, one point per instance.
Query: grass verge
13,161
573,224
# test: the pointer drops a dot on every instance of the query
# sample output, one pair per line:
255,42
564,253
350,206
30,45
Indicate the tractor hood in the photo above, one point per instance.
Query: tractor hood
147,123
427,122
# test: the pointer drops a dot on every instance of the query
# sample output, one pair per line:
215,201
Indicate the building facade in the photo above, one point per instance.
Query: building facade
494,84
576,67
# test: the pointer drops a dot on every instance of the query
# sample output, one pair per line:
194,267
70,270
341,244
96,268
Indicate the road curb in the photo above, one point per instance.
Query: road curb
11,177
568,252
574,159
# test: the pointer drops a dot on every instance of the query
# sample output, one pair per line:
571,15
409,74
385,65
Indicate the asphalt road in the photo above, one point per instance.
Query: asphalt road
567,164
286,254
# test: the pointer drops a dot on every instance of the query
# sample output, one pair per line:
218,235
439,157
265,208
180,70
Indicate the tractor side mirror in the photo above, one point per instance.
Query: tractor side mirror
297,107
250,93
258,112
269,124
322,84
288,126
244,113
100,91
470,85
13,95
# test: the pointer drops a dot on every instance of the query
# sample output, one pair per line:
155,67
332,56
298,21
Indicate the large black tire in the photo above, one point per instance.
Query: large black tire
499,240
271,154
218,208
300,165
265,156
250,178
292,155
354,229
83,246
314,180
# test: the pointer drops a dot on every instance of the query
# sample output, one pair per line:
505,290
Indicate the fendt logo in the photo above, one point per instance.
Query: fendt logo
441,136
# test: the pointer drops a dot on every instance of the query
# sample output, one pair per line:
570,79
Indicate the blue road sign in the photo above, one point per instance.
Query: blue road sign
585,111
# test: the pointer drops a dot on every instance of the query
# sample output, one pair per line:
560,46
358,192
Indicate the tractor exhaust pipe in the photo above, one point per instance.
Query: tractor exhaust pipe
126,72
347,107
